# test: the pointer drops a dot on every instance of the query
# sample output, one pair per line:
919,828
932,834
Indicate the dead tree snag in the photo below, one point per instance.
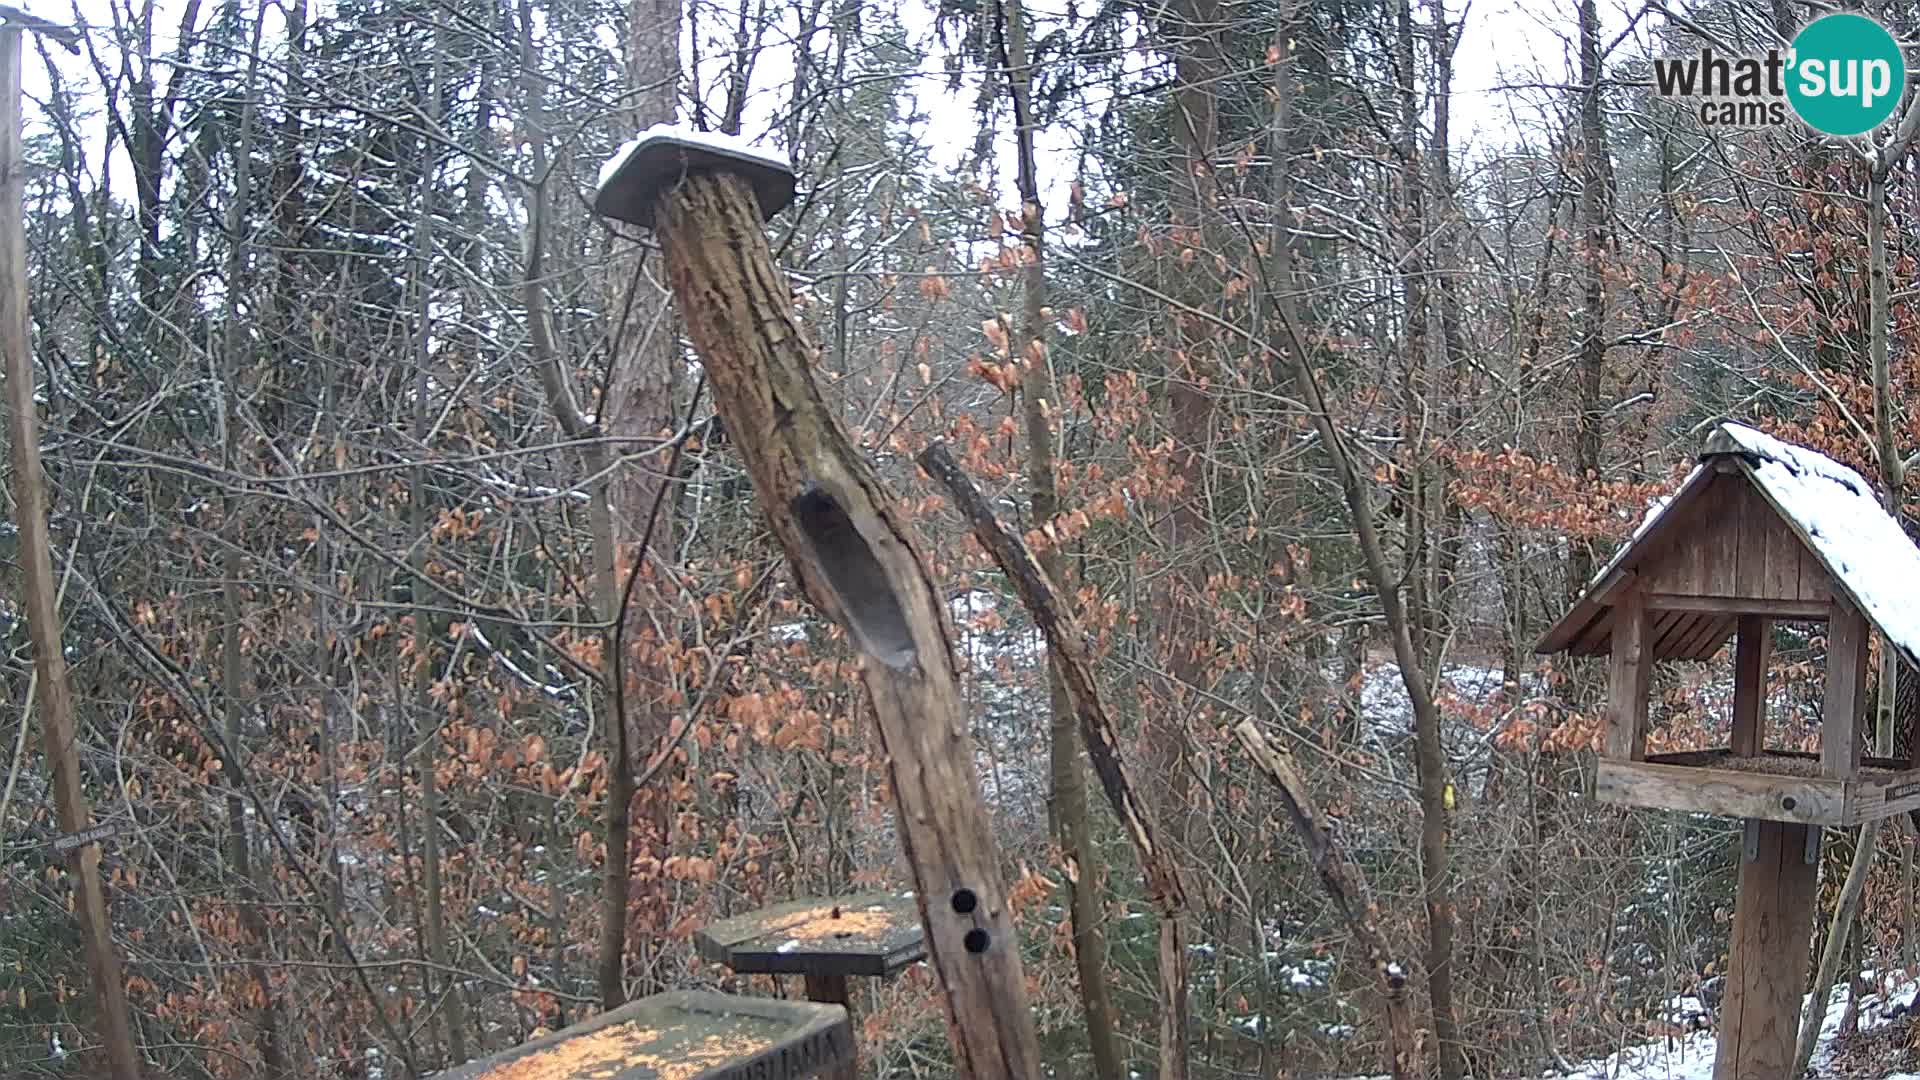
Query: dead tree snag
852,551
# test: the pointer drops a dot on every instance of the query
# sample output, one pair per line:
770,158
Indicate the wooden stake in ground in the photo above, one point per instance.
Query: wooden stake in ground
852,551
36,558
1066,646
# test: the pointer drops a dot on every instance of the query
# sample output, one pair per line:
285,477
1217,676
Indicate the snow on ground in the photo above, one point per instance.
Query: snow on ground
1691,1058
1388,713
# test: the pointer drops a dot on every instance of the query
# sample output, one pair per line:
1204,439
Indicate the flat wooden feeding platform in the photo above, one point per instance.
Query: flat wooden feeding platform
873,933
683,1035
1773,786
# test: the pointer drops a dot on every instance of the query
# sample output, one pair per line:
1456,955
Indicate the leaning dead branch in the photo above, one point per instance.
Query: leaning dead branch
1065,644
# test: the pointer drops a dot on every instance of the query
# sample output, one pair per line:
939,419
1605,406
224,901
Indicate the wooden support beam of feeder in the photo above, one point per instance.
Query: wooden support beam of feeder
855,554
1846,690
686,1035
1750,651
1066,646
1629,677
1767,968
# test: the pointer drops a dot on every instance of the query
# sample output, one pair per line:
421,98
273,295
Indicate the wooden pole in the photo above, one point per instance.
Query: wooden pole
833,990
43,617
1629,676
1767,972
1750,653
1846,691
858,558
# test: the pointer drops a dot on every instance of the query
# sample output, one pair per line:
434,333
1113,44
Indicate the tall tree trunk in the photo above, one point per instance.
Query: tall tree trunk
1416,604
1893,472
38,590
1038,398
453,1009
1415,487
235,678
1191,28
1435,869
616,830
1590,325
1449,523
639,405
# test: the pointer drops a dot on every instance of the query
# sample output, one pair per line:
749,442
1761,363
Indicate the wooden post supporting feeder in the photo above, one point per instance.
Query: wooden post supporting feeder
1760,532
875,934
684,1035
852,550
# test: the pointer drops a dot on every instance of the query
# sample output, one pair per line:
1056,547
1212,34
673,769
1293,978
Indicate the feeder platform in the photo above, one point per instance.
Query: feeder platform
683,1035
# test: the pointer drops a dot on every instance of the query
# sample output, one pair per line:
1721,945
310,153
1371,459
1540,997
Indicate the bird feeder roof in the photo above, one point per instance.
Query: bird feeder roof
659,157
1759,521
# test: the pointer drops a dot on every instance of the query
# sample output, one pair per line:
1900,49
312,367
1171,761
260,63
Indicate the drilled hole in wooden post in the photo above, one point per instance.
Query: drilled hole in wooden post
964,901
854,573
977,940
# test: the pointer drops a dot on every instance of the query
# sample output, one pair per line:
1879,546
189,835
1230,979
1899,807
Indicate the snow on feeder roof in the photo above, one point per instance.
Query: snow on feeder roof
1762,526
654,160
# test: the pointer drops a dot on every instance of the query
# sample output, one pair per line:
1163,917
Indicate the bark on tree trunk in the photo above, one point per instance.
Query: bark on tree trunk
1191,28
640,405
36,556
856,556
1038,397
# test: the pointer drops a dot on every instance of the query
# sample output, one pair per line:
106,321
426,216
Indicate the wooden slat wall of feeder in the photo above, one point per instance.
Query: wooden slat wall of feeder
1761,532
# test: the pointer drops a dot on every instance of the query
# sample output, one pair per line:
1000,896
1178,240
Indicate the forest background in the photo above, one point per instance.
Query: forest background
408,582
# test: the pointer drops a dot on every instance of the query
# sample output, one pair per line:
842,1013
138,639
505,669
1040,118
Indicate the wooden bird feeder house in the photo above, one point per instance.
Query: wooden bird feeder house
1760,532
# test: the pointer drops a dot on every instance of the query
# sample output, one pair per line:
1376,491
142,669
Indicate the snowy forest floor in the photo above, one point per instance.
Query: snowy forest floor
1882,1047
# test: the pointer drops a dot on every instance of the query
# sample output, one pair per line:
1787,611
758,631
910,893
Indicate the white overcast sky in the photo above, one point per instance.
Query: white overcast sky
1516,54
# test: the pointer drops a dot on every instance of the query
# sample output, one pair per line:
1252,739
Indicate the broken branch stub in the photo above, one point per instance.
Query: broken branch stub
858,559
1346,888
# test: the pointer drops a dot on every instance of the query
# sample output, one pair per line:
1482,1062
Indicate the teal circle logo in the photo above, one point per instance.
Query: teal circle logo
1847,74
